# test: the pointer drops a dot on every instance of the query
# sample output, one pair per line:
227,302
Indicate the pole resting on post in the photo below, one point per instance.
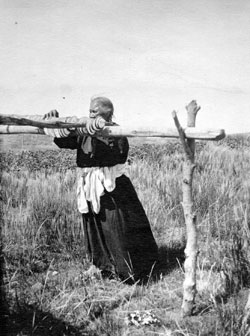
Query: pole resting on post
189,285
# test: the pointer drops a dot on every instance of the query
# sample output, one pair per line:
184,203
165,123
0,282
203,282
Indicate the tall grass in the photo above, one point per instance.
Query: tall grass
40,221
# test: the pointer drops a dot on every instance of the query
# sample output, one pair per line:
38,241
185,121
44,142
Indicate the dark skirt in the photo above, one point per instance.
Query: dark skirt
119,239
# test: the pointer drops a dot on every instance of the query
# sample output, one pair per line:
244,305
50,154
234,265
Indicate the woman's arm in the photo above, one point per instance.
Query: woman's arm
70,142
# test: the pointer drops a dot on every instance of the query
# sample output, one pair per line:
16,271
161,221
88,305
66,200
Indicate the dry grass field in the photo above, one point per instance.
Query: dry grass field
50,287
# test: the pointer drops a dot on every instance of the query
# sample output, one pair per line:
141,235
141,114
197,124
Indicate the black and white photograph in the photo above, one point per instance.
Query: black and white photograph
125,167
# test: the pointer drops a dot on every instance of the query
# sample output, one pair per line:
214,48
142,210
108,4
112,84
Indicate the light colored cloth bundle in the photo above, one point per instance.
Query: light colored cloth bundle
92,184
57,132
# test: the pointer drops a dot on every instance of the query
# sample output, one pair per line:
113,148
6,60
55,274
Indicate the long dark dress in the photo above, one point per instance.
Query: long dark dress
118,239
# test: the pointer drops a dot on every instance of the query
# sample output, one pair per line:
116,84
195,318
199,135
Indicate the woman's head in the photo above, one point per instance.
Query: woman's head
101,106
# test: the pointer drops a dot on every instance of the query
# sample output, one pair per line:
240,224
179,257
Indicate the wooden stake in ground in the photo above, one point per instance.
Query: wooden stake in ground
189,285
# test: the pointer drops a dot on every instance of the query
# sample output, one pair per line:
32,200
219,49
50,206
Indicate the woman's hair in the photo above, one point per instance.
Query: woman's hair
106,106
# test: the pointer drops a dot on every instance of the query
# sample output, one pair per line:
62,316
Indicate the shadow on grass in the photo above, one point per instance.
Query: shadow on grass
169,259
27,320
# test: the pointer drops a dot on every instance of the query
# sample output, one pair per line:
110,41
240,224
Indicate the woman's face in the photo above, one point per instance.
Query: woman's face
97,110
94,109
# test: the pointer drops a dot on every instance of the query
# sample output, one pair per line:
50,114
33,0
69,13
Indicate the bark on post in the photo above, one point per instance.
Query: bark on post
189,285
246,317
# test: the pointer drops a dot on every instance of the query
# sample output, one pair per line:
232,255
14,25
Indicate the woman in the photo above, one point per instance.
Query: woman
117,232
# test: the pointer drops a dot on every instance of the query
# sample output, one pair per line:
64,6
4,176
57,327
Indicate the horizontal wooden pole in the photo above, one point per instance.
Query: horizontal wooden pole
35,124
190,132
118,131
16,129
38,121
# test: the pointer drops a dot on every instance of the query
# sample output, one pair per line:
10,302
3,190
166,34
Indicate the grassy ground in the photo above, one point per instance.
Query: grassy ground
25,142
50,286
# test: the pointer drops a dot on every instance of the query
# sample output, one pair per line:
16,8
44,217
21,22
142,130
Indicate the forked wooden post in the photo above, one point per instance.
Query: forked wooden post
189,285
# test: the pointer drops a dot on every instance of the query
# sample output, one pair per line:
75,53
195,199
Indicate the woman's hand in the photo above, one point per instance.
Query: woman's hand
51,114
54,132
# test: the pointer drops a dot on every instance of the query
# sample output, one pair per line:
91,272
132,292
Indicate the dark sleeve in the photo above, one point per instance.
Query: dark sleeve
68,142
